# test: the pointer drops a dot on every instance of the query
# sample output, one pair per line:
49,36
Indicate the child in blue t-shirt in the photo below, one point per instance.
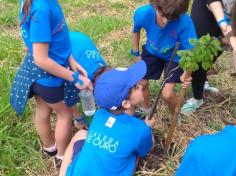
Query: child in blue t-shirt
44,71
115,137
165,23
211,155
89,57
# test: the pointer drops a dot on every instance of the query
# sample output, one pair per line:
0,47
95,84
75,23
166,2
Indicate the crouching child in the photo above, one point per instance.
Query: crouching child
115,137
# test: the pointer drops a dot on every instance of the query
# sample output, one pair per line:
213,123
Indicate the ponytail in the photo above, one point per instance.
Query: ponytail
25,10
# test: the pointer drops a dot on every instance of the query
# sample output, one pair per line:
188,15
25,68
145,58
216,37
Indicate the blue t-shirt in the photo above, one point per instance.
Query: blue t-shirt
211,155
161,41
45,23
112,146
86,53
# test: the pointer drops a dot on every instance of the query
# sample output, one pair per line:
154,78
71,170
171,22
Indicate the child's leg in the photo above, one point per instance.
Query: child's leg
233,44
170,96
79,120
42,122
63,129
173,74
80,135
155,68
145,84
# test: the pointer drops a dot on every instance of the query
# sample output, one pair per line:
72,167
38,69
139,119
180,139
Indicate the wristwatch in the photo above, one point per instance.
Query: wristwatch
134,53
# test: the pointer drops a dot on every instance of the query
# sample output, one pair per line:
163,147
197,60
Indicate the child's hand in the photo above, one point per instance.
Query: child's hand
77,67
137,58
225,28
87,84
151,123
185,79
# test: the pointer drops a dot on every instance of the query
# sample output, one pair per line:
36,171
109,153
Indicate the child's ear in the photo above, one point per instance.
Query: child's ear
126,104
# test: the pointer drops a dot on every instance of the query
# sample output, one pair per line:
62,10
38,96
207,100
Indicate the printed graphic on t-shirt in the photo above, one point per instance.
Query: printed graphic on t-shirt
92,54
102,141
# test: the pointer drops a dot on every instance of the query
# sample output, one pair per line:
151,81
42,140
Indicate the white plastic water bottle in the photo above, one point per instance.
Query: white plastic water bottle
88,103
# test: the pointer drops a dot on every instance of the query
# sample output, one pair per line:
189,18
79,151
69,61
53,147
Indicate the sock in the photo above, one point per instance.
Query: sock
50,149
60,157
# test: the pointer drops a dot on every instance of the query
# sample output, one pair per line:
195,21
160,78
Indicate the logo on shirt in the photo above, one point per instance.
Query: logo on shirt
110,122
92,54
102,141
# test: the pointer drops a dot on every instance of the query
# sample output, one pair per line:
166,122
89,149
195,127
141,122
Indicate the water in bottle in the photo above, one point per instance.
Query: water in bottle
87,101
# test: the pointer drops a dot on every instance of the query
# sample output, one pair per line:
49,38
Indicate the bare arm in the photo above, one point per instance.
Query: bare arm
42,60
233,44
135,44
151,123
217,9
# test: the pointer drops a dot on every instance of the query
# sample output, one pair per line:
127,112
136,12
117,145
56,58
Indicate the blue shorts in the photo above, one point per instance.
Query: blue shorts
77,148
49,94
155,67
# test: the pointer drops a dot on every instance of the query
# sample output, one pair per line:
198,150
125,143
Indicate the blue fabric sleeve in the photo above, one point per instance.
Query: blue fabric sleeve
40,27
190,165
145,143
137,21
188,32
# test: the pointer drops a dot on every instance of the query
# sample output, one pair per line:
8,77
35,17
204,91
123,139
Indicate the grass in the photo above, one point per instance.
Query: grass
109,23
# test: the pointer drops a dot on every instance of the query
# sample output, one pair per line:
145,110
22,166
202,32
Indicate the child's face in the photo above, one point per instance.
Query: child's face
136,95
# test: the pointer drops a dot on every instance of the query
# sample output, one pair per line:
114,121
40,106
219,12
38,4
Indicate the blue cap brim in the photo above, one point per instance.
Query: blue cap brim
137,71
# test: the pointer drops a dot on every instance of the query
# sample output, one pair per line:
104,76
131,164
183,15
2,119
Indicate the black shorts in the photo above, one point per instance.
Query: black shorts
155,67
49,94
77,148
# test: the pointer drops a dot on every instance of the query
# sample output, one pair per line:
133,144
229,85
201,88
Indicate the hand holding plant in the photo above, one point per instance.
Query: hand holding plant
203,53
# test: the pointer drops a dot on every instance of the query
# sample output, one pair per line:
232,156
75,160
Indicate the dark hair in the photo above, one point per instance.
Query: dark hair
100,71
233,18
171,9
25,10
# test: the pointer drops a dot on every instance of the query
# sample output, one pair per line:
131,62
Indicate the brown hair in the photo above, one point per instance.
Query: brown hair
100,71
25,10
171,9
233,18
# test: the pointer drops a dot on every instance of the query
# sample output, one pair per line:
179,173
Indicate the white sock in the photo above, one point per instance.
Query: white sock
199,100
60,157
50,149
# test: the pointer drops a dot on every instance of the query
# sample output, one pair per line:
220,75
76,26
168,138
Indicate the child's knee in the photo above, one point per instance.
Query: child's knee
167,95
80,135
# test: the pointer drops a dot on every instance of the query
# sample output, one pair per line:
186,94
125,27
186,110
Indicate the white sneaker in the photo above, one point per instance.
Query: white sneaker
207,87
191,106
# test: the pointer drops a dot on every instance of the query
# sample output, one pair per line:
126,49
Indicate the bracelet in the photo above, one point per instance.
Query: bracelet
134,53
76,78
224,20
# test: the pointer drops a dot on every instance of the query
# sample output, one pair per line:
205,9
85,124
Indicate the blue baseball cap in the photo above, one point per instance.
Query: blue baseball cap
113,86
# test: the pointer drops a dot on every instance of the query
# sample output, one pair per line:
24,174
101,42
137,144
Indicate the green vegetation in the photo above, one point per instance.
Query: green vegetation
204,51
